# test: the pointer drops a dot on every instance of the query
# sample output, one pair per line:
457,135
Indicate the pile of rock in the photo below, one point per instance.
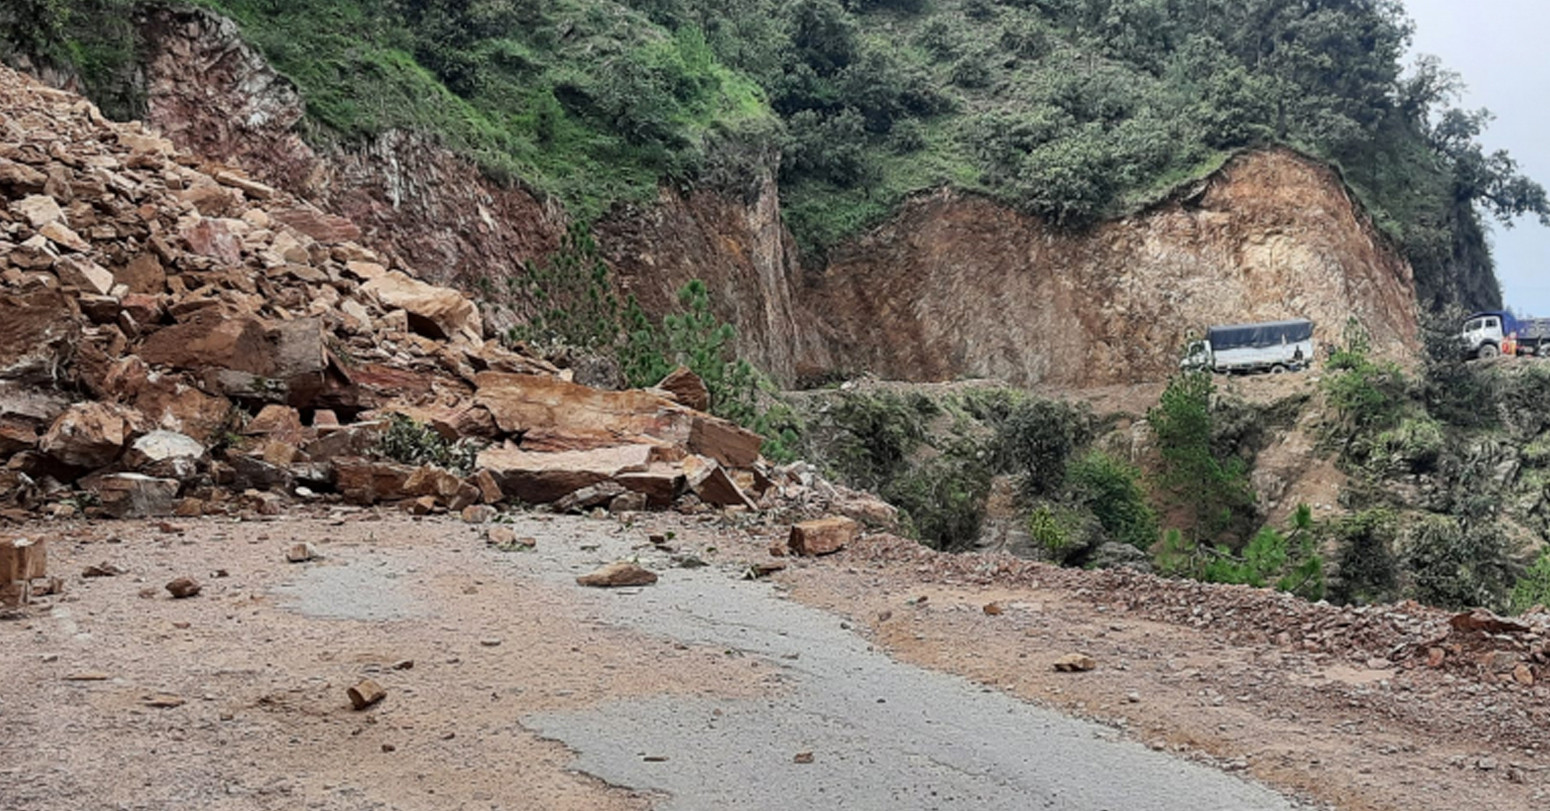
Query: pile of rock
176,338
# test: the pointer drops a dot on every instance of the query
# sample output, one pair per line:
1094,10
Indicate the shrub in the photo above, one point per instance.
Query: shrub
1112,490
1066,534
1412,446
877,434
1456,566
1289,561
944,499
1213,490
1366,568
413,443
1533,588
1036,439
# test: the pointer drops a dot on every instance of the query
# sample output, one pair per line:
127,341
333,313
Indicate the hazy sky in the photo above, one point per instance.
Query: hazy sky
1498,47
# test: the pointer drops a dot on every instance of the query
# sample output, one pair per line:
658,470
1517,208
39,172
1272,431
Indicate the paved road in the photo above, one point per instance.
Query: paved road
884,735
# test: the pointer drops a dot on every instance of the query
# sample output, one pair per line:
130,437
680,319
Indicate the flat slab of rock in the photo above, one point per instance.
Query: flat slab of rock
1075,663
823,536
541,478
618,574
134,495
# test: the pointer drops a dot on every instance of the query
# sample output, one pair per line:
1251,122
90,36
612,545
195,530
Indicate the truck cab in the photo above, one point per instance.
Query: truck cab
1484,333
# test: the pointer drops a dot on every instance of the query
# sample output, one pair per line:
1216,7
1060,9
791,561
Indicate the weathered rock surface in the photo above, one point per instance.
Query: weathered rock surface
823,536
616,575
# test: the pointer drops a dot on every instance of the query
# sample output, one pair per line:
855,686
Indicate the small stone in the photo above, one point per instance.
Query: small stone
301,553
404,664
365,693
164,701
803,757
1133,697
993,609
183,588
1075,663
387,747
618,574
478,514
89,675
655,758
1523,674
491,642
1435,657
1486,764
102,570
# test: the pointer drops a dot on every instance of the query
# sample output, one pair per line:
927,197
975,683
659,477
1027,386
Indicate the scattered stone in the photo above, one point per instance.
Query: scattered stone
618,574
164,701
823,536
387,747
803,757
1523,674
491,642
506,539
102,570
89,675
764,569
478,514
183,588
404,664
1075,663
993,609
301,552
365,693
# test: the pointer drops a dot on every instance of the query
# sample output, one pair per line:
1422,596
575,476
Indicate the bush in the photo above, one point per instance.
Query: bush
1413,446
1112,490
1533,588
1289,561
1067,535
413,443
944,499
877,434
1455,566
1215,491
1036,439
1366,568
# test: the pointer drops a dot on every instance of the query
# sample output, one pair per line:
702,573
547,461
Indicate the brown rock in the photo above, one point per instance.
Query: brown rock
37,333
1075,663
505,538
588,497
711,483
325,228
143,274
1523,674
478,514
59,234
1483,620
364,481
20,178
183,588
521,402
134,495
365,693
1435,657
628,502
687,388
21,560
618,574
435,312
993,609
726,443
301,553
540,478
211,237
823,536
88,435
211,340
489,488
38,210
802,757
276,422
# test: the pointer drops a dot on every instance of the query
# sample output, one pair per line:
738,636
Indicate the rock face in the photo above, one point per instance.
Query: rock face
957,286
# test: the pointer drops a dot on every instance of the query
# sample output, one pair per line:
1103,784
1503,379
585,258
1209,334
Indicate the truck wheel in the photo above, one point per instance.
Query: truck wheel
1278,369
1488,351
1544,350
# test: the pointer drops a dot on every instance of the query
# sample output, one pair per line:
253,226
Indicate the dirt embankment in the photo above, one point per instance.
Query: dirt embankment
957,286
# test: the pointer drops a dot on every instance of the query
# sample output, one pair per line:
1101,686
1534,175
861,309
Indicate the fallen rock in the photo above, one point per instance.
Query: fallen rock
183,588
506,539
301,553
618,574
541,478
21,560
687,388
365,693
134,495
87,435
478,514
588,497
164,701
1483,620
435,312
823,536
1075,663
726,443
102,570
160,447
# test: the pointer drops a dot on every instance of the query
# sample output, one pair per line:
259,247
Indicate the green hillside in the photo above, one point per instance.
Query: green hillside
1075,110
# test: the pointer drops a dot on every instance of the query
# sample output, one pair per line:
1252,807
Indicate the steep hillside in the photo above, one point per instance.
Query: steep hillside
664,126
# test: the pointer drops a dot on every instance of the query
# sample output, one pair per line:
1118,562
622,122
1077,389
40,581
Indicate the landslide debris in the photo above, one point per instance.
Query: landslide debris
179,339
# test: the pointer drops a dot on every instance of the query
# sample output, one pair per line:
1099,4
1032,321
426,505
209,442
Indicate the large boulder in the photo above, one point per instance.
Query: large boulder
38,332
87,435
540,478
823,536
435,312
134,495
211,340
520,402
687,388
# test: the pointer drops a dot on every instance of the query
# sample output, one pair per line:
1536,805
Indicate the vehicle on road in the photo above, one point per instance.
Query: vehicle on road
1497,332
1271,346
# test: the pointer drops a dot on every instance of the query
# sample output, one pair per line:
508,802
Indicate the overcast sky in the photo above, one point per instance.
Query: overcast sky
1499,48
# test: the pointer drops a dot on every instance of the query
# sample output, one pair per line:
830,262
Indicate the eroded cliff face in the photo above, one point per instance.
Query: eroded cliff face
957,286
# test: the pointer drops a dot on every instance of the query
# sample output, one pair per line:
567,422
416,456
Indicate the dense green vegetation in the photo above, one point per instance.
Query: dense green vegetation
1072,109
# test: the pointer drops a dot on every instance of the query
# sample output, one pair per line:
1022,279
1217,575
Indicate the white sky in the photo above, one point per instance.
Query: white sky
1499,48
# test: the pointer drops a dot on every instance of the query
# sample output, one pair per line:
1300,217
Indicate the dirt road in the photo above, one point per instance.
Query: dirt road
508,686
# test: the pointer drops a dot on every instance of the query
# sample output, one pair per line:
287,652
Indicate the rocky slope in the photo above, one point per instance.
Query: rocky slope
952,286
176,337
